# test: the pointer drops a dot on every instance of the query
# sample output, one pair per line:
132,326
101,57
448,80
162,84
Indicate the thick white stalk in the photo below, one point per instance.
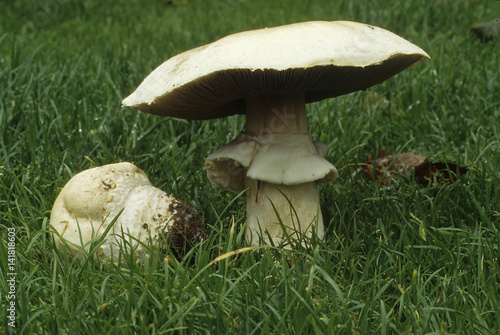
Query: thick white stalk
277,211
274,211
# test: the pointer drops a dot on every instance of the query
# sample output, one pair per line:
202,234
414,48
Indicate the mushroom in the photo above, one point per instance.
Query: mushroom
269,75
89,202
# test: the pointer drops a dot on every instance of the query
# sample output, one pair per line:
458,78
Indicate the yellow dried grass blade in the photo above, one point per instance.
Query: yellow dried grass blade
231,253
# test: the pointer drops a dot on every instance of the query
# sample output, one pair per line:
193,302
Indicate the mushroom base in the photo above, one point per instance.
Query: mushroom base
276,213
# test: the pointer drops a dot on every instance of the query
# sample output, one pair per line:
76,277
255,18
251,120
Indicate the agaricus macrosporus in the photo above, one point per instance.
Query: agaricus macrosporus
89,202
269,75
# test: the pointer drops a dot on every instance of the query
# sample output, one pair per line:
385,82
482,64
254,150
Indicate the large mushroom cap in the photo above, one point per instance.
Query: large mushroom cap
321,59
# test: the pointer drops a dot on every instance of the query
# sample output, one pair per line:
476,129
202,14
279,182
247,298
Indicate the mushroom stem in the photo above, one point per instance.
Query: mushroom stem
276,114
297,207
272,208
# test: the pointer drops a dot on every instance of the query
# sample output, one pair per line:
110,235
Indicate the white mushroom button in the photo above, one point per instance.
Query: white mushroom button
89,202
269,75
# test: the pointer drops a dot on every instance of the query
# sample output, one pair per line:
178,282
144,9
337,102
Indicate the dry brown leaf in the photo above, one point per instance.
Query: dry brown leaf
385,169
439,173
487,31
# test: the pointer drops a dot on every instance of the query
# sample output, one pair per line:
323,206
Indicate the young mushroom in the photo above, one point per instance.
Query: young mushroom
89,202
269,75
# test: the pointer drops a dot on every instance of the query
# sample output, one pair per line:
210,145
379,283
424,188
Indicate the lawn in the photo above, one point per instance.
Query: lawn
404,259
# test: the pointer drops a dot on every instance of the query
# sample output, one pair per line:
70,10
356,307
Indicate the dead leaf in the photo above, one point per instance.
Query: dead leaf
487,31
385,169
439,173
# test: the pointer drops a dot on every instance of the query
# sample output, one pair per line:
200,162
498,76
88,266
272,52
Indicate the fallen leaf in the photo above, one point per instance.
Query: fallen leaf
439,173
385,169
487,31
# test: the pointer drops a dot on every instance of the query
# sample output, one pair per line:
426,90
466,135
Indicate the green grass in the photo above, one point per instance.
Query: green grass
401,260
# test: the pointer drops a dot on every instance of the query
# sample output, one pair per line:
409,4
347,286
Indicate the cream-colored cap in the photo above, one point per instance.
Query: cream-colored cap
321,59
90,201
